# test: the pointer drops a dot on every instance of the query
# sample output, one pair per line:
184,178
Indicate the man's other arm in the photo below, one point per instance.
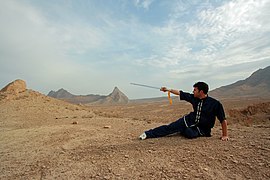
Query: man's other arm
224,131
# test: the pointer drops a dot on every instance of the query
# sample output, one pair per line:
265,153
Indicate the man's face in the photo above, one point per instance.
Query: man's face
196,92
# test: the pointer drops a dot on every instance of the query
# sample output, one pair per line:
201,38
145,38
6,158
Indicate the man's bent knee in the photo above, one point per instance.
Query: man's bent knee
191,133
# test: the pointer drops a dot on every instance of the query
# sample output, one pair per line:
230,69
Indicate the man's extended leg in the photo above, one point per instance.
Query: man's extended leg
174,127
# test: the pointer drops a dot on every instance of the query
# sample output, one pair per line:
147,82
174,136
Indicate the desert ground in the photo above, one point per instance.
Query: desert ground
45,138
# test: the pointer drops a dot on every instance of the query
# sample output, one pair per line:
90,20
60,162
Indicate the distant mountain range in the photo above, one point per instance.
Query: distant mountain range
116,97
256,85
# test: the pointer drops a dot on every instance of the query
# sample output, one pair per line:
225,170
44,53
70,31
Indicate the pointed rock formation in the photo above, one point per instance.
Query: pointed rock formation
116,97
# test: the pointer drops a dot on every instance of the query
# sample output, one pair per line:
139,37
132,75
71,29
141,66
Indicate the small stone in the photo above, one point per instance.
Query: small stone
261,164
75,122
107,127
206,169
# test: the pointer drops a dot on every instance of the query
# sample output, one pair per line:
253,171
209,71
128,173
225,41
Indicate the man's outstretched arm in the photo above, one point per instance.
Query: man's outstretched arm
224,131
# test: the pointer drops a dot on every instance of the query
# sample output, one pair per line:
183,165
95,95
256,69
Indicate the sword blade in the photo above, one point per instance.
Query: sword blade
145,86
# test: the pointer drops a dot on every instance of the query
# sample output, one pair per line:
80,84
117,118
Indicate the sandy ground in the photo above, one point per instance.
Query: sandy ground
44,138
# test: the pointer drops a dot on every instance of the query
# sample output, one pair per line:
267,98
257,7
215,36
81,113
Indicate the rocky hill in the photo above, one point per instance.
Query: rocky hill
256,85
116,97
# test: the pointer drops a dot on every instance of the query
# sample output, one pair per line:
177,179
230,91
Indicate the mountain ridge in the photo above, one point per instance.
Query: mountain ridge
115,97
256,85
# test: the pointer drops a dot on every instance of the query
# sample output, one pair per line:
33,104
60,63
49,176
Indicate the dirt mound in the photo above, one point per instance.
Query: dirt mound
247,116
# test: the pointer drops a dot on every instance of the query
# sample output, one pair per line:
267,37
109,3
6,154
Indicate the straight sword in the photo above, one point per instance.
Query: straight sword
153,87
145,86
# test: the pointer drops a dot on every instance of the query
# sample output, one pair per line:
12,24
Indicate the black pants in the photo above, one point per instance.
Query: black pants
178,126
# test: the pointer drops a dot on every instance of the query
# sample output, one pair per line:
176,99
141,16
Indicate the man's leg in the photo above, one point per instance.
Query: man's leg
191,133
174,127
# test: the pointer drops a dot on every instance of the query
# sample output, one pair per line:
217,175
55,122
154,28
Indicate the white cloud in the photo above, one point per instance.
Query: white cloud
144,3
230,21
216,32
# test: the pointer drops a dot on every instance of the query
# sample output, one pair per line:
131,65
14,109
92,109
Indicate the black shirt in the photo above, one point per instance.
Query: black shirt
205,112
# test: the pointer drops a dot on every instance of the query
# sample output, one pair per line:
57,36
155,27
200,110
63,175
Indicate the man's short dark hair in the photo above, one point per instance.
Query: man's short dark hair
202,86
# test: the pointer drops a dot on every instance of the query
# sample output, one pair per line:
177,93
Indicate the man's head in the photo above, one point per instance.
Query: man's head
200,89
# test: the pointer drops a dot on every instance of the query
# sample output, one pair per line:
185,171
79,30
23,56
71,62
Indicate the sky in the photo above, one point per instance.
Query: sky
91,46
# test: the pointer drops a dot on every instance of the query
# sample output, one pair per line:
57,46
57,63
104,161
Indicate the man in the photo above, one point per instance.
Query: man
197,123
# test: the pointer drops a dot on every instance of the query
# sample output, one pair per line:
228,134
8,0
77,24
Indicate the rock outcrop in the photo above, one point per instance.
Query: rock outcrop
14,87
